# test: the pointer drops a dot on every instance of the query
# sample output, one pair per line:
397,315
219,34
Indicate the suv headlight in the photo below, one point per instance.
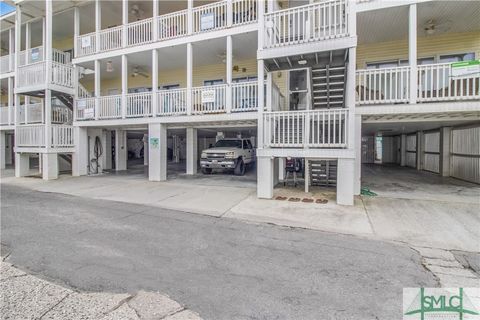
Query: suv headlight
230,155
204,155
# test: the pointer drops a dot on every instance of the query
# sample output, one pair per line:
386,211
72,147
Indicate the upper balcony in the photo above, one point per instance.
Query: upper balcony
203,19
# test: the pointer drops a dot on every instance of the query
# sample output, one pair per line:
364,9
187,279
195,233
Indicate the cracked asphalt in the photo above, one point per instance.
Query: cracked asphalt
221,268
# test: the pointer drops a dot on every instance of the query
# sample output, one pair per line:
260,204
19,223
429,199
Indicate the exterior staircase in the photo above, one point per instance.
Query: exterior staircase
328,86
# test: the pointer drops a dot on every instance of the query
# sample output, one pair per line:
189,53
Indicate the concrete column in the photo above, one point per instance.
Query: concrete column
189,77
76,29
145,149
154,80
281,168
120,150
3,145
445,148
358,155
412,52
403,150
261,95
229,66
124,85
419,150
22,164
80,156
345,181
49,166
107,150
265,180
192,151
157,152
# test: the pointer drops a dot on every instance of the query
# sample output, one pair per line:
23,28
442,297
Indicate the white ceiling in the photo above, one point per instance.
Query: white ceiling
392,23
396,128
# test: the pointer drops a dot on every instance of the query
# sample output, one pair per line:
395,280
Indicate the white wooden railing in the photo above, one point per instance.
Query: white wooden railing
34,55
62,136
244,96
172,25
62,74
386,85
7,115
140,32
61,114
82,92
85,108
31,74
172,102
244,11
306,129
278,100
111,38
32,135
86,44
30,113
5,65
209,99
139,105
435,83
217,11
322,20
110,107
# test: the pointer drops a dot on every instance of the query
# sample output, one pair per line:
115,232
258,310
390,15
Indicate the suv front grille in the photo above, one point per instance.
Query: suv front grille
215,156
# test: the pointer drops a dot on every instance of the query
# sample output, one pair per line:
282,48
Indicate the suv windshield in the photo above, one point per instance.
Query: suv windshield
228,144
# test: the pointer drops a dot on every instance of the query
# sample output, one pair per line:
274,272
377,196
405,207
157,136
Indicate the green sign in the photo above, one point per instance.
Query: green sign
154,142
465,68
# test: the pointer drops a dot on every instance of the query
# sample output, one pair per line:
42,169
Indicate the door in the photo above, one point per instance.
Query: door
465,154
431,152
411,152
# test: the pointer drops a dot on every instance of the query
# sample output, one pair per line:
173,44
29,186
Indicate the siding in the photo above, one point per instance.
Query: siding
465,160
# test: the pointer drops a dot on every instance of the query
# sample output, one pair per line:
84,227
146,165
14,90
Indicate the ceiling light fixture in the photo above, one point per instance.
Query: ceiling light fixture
109,66
302,62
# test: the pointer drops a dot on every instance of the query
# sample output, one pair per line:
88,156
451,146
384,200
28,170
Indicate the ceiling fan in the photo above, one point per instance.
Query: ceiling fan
137,12
137,71
434,26
223,56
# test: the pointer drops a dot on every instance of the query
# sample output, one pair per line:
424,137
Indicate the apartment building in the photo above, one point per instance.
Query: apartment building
334,83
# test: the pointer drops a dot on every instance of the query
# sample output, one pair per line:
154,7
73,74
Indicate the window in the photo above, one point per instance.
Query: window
171,86
212,82
249,144
244,79
396,63
457,57
229,144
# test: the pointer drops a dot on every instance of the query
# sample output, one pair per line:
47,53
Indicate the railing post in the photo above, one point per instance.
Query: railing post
124,85
190,17
154,81
261,23
155,20
229,13
412,52
306,129
124,22
229,64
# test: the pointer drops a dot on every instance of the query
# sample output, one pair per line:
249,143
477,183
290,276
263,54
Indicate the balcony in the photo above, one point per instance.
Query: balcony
7,116
32,76
6,64
326,128
34,113
322,20
205,100
435,83
168,26
34,136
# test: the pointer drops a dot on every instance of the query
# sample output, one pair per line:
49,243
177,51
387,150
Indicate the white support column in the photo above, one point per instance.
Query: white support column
97,87
345,181
192,151
98,23
261,23
124,21
350,97
265,180
157,152
80,156
276,176
76,29
28,41
190,16
358,155
229,13
419,150
107,150
145,149
189,78
120,150
48,119
124,85
3,145
48,43
261,102
155,19
11,101
269,92
154,81
445,148
18,36
281,168
44,37
229,66
49,166
307,176
11,49
403,150
22,164
412,52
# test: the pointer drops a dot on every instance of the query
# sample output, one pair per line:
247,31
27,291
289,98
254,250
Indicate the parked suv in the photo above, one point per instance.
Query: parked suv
232,153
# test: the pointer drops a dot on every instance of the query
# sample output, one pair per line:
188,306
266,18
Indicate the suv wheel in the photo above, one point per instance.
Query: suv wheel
206,170
240,168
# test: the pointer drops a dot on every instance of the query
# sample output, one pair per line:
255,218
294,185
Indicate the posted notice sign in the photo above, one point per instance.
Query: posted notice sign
465,68
208,96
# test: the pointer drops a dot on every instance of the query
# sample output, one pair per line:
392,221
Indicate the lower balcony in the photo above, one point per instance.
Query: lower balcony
327,128
34,136
204,100
32,77
7,116
436,82
34,113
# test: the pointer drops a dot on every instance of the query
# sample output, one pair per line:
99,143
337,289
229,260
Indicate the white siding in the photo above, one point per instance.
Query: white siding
465,160
411,154
431,152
